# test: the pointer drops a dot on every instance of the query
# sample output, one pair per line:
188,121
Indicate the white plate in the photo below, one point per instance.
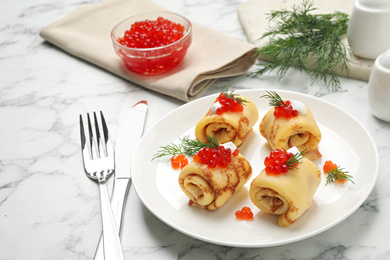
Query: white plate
344,141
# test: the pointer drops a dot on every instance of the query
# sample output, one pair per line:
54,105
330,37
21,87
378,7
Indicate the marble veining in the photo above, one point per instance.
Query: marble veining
49,209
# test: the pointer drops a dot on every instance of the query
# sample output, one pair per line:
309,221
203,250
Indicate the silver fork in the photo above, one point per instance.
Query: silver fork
98,159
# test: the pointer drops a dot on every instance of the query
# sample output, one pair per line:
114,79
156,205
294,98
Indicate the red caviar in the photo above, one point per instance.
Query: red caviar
214,157
153,47
179,161
335,173
228,104
329,165
244,214
275,163
152,33
285,110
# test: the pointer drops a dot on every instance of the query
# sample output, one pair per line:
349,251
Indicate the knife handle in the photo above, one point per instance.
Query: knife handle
118,198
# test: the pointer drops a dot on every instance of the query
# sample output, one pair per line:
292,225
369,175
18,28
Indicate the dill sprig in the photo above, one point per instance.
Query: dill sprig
309,42
274,100
185,146
294,160
338,175
230,94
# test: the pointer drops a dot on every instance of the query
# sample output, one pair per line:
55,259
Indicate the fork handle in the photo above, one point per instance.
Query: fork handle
111,242
118,199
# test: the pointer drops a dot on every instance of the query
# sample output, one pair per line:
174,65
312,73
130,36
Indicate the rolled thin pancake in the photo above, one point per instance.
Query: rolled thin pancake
230,126
301,131
288,195
210,188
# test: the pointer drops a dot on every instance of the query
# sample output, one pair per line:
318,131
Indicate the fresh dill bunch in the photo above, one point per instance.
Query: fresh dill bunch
274,100
230,94
294,160
168,150
338,175
309,42
185,146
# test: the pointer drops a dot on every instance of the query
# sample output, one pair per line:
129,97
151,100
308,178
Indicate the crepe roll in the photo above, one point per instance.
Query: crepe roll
301,131
288,195
228,126
209,188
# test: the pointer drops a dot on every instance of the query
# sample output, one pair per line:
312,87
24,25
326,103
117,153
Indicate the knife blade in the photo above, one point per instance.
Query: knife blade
129,135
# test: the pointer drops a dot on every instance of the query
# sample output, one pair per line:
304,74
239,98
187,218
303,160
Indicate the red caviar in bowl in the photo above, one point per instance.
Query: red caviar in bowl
152,33
152,43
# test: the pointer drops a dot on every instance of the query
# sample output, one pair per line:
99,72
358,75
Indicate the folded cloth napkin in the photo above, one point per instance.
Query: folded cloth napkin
86,33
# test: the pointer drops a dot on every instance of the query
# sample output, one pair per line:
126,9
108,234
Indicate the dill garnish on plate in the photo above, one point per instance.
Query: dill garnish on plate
309,42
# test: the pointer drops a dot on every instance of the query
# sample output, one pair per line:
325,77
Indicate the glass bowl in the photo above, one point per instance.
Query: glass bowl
157,60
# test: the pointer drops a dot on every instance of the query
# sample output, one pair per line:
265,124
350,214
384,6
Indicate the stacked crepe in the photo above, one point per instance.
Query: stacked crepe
301,131
210,188
288,195
230,126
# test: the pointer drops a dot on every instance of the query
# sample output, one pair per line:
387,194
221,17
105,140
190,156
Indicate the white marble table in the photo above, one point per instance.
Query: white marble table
50,210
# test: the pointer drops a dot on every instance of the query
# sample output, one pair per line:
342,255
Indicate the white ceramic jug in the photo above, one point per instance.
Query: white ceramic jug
369,28
379,87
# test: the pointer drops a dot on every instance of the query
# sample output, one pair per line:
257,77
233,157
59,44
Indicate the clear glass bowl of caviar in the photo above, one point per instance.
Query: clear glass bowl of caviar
152,43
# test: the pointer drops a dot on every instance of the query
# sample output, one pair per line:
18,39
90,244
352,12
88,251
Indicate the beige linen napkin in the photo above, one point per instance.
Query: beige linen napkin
86,33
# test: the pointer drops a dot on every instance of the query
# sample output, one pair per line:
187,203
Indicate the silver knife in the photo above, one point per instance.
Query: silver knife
129,135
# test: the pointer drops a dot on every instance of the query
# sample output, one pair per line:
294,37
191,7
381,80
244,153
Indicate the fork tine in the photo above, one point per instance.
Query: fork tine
105,129
105,134
82,133
98,136
92,140
107,141
85,150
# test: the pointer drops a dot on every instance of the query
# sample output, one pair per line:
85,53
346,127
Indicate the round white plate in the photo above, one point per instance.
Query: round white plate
344,141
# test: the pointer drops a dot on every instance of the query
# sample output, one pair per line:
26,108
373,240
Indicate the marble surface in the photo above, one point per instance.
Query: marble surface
49,209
